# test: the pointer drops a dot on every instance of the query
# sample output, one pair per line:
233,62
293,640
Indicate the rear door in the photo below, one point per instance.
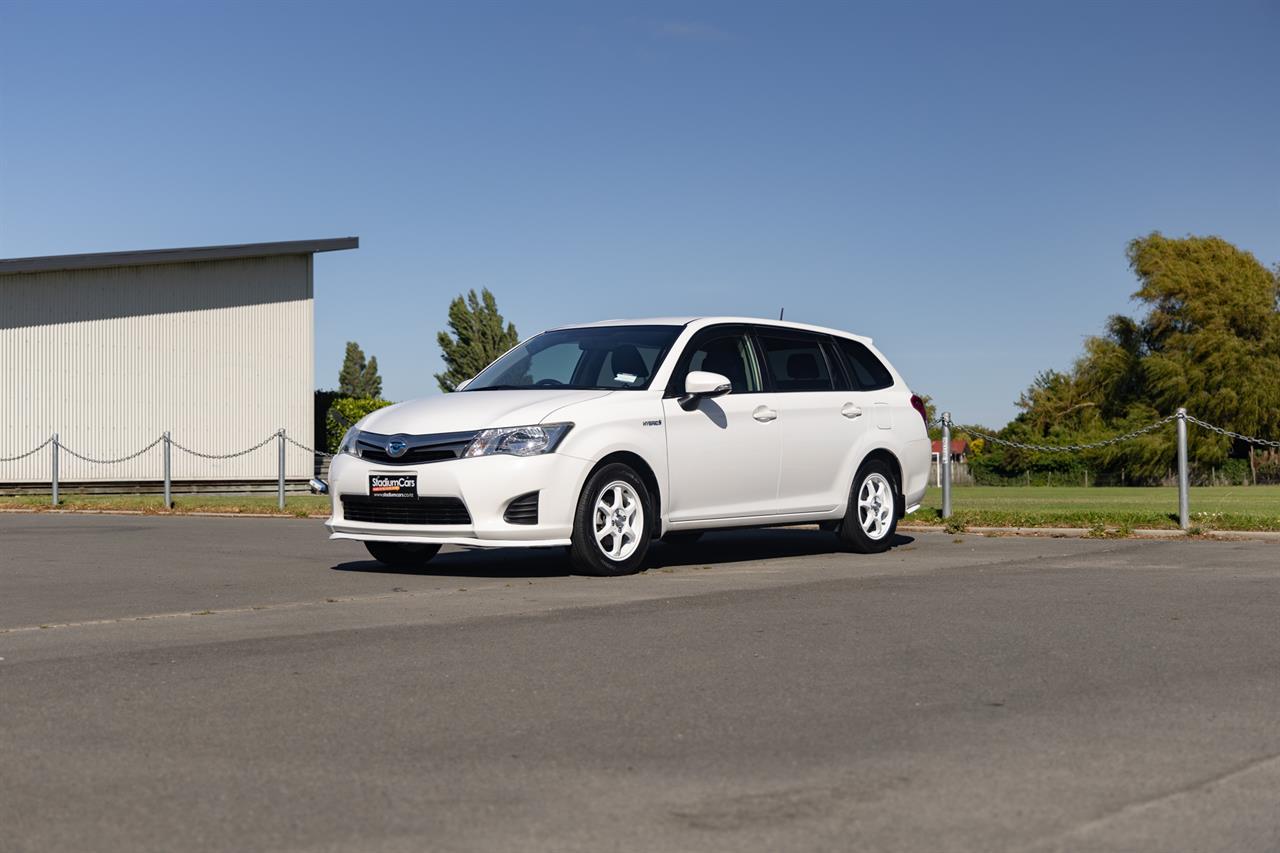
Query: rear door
722,453
871,381
821,417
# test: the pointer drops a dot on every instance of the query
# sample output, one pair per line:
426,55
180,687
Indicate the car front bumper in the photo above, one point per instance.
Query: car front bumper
485,485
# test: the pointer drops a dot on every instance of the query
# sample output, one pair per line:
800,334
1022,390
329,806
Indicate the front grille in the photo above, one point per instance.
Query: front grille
522,510
412,456
437,447
404,510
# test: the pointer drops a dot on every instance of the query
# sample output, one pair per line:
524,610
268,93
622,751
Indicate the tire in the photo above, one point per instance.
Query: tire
609,541
402,555
872,515
682,538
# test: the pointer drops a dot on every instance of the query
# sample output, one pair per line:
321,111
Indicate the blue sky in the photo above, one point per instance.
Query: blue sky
957,181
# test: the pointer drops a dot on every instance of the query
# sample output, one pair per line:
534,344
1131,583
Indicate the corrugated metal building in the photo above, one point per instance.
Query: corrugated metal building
214,344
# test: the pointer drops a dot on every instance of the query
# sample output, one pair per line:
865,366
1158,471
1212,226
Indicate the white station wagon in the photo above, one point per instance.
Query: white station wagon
605,437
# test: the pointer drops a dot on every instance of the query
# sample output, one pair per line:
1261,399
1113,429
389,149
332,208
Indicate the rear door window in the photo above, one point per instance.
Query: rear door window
796,361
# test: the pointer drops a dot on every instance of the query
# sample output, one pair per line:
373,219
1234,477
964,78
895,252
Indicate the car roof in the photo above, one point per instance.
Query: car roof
700,322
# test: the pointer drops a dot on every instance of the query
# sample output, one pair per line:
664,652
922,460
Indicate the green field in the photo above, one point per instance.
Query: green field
1212,507
298,505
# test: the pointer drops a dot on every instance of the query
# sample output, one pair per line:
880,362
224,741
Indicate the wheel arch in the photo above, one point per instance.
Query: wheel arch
641,467
890,458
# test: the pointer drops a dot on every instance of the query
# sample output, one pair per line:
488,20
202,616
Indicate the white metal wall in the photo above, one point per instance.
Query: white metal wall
220,353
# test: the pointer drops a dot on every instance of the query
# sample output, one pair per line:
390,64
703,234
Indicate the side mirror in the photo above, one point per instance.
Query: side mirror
702,384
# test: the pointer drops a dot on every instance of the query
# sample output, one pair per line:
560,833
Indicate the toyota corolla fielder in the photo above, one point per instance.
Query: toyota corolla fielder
605,437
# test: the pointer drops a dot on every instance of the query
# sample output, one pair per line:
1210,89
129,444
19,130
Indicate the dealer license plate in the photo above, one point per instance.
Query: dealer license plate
397,486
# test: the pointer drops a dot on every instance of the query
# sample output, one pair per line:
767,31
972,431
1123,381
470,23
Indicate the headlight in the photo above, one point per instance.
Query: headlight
518,441
348,444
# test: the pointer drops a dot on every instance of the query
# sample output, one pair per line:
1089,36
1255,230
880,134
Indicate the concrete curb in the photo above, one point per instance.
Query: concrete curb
1084,533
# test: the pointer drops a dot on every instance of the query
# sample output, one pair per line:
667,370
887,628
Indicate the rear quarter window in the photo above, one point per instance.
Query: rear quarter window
867,371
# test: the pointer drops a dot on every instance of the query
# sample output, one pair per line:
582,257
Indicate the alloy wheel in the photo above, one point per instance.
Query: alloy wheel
875,506
617,520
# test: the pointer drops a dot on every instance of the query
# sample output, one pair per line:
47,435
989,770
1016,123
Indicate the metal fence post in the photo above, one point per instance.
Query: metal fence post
1184,509
168,480
944,464
280,441
54,478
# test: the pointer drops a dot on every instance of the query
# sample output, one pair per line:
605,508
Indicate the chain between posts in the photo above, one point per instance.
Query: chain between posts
258,446
1181,418
302,446
1220,431
84,458
1067,448
31,452
977,433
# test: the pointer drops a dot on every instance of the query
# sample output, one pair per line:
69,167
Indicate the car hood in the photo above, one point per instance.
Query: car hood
473,410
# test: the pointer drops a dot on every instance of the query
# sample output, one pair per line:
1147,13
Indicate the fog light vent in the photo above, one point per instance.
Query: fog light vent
523,510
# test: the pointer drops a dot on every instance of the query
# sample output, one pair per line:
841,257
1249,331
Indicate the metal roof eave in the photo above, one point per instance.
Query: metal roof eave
106,260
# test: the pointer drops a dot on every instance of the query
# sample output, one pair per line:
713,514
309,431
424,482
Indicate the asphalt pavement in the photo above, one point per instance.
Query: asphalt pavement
211,684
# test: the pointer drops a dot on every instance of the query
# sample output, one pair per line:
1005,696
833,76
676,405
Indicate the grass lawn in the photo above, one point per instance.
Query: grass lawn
1215,508
296,505
1212,507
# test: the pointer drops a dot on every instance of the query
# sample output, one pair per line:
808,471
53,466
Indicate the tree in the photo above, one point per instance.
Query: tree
359,378
1210,341
480,335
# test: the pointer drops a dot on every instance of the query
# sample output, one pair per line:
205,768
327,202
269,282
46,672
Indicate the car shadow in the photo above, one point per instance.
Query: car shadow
716,548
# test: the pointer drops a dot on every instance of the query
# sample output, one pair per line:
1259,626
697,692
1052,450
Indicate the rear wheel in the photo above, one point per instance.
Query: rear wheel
611,528
402,555
872,517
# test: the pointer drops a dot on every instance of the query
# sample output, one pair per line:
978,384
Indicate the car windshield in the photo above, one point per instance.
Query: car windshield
600,357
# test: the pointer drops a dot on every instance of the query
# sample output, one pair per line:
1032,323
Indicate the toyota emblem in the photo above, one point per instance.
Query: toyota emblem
396,447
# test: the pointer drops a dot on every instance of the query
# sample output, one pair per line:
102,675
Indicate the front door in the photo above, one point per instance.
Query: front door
722,453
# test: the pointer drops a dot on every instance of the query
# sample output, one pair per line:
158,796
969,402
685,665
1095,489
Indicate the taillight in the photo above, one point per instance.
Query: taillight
918,405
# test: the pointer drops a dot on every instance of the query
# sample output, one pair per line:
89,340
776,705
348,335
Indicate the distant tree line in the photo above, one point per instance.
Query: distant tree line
1208,339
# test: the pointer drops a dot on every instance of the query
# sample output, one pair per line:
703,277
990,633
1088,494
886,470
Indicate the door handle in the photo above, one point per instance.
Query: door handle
764,414
851,411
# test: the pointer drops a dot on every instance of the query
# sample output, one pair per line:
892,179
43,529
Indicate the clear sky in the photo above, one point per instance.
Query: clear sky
957,181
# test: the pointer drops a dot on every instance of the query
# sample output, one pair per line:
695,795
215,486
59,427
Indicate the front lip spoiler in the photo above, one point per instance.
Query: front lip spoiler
384,535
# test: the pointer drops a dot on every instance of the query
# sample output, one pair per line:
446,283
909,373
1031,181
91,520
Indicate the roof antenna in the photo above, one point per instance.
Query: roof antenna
783,311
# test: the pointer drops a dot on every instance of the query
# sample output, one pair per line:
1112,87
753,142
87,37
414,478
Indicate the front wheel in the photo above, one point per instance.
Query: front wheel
611,528
402,555
872,516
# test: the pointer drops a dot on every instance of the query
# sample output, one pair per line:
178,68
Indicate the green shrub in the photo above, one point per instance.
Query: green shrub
350,410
